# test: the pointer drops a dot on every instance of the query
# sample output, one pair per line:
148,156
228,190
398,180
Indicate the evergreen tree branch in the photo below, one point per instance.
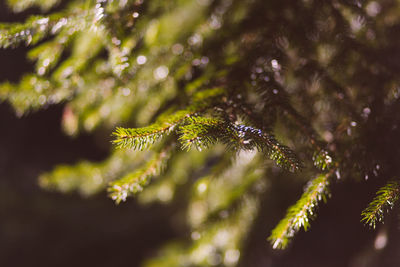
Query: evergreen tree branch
82,15
260,138
141,138
201,132
21,5
265,142
118,62
385,199
30,32
89,178
23,98
321,158
133,183
299,215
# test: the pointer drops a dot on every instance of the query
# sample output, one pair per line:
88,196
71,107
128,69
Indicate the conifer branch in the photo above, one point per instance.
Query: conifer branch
142,138
79,17
121,61
201,132
21,5
322,160
23,98
265,142
133,183
384,200
299,215
30,32
89,178
321,157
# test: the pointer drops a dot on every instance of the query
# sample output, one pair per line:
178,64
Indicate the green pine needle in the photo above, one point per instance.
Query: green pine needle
140,138
322,160
143,138
299,215
134,182
203,132
265,142
21,5
200,132
30,32
385,199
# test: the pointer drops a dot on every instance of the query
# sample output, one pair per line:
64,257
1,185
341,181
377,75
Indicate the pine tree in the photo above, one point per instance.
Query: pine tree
207,100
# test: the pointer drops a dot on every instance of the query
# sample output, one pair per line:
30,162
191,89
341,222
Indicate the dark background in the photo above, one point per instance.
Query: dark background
40,228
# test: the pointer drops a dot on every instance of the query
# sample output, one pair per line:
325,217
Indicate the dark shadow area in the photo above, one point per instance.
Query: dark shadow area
39,228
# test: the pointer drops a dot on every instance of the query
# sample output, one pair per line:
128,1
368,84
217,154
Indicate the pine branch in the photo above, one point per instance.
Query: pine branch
133,183
200,132
299,215
231,184
33,92
21,5
81,15
262,140
47,55
142,138
385,199
30,32
265,142
322,160
203,132
275,97
89,178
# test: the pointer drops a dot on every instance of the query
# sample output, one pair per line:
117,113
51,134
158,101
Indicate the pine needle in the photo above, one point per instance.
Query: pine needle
385,199
299,215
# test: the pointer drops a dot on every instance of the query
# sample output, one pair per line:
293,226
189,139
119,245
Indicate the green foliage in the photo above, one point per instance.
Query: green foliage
20,5
201,132
322,160
142,138
221,210
385,199
134,182
89,178
299,215
254,76
31,32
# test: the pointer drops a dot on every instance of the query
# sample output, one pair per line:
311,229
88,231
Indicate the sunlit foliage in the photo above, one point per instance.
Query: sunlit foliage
213,96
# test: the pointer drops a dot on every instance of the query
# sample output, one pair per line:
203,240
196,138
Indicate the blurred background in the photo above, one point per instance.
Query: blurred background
40,228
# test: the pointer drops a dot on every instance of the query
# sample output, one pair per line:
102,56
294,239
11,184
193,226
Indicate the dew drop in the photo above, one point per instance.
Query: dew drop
42,99
275,65
337,172
161,72
141,60
177,49
41,70
126,91
46,62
